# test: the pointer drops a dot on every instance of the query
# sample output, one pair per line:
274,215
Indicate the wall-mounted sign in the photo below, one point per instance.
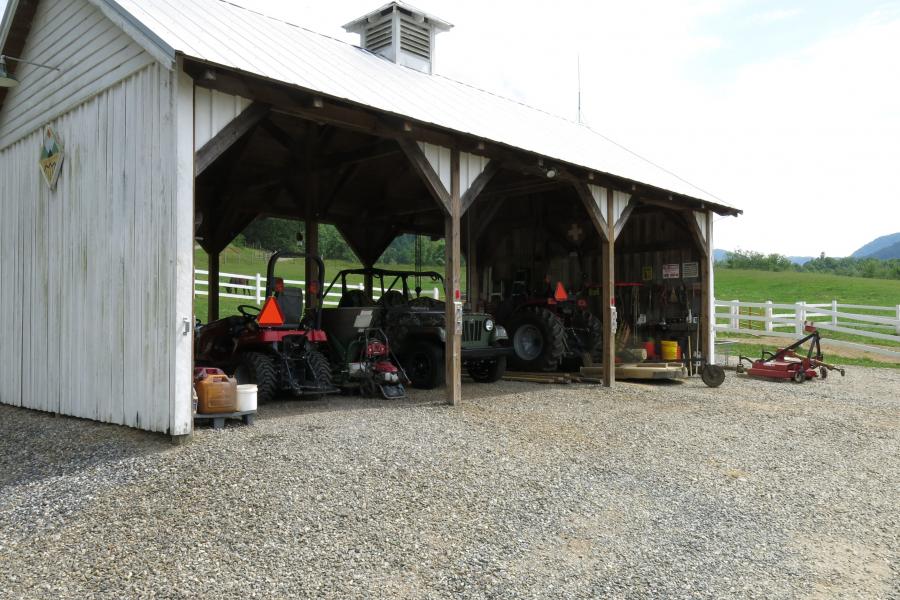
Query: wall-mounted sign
671,271
691,270
51,157
647,273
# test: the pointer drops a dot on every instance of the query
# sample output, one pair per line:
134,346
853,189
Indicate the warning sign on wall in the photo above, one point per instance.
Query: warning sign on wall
671,271
691,270
647,273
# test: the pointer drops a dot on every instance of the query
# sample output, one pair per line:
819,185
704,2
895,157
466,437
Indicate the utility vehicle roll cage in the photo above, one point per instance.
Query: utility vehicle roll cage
381,274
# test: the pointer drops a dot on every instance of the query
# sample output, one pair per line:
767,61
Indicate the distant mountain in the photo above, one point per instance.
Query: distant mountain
877,245
892,251
720,255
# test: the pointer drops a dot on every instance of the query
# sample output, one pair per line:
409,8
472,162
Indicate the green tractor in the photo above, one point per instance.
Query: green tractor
415,324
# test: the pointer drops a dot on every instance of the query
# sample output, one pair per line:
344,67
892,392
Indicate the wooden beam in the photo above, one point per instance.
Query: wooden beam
231,133
696,232
311,220
623,218
426,173
491,169
593,211
608,259
453,346
487,215
213,287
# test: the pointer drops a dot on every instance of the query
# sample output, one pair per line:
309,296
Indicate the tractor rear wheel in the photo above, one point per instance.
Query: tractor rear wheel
318,371
259,369
538,340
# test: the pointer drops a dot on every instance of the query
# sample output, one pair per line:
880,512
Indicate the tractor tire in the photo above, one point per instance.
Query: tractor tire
259,369
424,365
538,340
488,371
590,338
318,372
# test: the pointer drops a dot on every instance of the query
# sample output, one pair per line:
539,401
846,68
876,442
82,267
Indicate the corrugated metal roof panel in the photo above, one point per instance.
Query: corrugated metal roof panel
218,32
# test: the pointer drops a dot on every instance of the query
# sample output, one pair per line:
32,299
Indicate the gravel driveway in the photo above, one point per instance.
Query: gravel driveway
754,490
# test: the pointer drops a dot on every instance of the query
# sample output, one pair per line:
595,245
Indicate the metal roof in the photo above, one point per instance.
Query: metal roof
234,37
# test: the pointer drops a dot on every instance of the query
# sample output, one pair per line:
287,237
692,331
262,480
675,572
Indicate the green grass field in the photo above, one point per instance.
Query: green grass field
787,287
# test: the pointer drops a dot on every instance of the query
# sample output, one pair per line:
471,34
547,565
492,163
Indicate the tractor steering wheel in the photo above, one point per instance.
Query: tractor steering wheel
248,310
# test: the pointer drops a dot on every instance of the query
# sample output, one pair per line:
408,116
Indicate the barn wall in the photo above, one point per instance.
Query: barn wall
88,271
213,111
91,52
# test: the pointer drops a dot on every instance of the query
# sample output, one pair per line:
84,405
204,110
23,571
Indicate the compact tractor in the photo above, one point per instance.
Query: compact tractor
416,325
279,347
549,329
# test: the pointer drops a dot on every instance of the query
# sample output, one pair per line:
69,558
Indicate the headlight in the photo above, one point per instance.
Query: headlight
489,324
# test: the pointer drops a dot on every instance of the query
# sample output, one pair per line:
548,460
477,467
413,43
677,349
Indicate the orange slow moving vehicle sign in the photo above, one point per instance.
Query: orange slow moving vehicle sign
270,315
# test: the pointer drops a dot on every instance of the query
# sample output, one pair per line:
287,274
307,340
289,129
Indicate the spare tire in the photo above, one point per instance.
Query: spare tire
538,340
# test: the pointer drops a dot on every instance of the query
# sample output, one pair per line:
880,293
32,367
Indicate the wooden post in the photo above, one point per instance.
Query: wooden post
800,317
311,236
609,295
367,282
213,287
834,307
897,329
734,312
769,313
453,348
473,281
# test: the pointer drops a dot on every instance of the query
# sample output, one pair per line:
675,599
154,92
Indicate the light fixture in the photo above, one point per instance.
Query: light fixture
551,173
7,79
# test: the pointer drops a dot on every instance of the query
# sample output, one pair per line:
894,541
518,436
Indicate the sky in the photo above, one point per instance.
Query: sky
788,110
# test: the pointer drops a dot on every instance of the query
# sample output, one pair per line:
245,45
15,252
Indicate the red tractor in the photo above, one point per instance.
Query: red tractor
279,347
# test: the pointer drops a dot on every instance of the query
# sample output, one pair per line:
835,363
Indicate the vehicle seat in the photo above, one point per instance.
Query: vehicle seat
392,298
354,299
290,301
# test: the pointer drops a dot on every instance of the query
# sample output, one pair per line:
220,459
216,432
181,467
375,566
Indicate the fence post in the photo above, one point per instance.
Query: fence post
768,315
259,290
834,307
800,317
897,329
734,312
437,294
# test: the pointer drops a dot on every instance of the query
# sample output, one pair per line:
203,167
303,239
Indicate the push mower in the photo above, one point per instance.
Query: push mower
787,364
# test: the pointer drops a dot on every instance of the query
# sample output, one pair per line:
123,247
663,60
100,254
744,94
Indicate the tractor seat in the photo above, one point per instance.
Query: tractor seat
354,299
290,301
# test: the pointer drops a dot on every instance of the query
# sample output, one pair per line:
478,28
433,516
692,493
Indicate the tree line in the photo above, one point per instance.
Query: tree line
872,268
279,234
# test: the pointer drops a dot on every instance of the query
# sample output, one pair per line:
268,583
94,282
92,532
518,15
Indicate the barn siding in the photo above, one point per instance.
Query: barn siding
213,111
89,271
92,53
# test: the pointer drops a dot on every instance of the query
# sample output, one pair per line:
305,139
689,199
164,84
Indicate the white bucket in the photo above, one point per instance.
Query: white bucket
246,397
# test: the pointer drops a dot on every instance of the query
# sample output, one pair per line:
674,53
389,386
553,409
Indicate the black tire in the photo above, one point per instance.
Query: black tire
424,365
488,371
546,355
318,371
799,376
593,336
713,375
259,369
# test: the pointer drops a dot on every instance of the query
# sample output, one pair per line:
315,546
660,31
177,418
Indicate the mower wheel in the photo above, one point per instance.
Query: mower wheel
713,375
799,376
538,340
318,371
823,372
488,371
258,368
424,365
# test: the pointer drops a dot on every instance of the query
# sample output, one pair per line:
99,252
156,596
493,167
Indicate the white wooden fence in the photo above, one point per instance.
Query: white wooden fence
787,320
255,290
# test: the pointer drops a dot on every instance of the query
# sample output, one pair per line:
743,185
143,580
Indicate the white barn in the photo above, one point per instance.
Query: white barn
96,273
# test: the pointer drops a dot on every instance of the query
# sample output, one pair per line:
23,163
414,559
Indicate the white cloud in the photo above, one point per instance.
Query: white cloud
773,16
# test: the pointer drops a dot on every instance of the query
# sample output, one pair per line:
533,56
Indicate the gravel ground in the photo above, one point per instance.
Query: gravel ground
754,490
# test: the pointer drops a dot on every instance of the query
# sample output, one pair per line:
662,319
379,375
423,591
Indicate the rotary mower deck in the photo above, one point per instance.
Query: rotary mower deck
787,364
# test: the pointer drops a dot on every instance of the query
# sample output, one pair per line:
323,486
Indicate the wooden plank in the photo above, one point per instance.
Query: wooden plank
608,293
479,184
453,346
213,287
231,133
593,211
427,174
623,218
